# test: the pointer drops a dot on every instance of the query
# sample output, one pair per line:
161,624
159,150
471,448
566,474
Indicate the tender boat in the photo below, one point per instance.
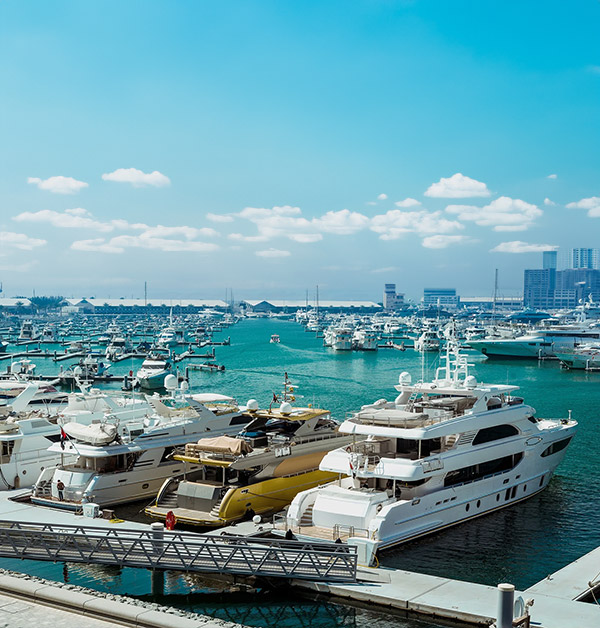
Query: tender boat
442,453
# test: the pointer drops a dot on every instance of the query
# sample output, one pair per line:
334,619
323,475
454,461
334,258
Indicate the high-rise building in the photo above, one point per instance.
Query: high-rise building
446,297
549,259
584,258
391,299
538,287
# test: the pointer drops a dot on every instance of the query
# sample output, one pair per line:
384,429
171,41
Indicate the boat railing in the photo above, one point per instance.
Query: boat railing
416,419
337,531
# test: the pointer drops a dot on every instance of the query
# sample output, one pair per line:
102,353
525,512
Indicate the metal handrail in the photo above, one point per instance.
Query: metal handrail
156,549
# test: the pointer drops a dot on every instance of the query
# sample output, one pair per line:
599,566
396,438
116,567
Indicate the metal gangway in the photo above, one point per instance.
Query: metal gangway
158,549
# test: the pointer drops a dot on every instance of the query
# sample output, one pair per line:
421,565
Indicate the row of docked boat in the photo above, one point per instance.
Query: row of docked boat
440,453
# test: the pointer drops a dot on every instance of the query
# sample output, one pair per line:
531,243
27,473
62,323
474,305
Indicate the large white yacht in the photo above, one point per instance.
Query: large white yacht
119,462
443,452
542,343
27,430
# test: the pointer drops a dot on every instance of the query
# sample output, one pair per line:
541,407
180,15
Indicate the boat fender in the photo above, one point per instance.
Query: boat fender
379,507
349,449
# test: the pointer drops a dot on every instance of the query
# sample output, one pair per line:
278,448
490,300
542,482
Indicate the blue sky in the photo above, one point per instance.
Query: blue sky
271,146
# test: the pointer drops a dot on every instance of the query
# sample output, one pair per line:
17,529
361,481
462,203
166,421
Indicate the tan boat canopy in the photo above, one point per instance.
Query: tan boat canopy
222,444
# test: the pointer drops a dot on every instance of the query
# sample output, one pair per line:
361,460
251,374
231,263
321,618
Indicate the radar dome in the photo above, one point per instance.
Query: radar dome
256,519
285,408
252,405
405,379
77,371
170,382
184,386
470,382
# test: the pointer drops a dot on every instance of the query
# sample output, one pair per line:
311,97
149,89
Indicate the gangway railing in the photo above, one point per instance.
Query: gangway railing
180,551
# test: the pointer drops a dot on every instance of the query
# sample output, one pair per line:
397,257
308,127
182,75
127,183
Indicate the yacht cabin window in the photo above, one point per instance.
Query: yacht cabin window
497,432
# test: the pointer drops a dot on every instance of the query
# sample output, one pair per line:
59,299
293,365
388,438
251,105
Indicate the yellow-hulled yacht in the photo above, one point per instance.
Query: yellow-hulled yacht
260,471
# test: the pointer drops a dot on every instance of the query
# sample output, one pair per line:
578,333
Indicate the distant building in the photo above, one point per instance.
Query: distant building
93,305
538,288
487,303
546,288
391,299
276,305
443,297
584,258
550,258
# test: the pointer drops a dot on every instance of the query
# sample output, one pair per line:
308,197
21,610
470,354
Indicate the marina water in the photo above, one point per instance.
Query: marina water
521,544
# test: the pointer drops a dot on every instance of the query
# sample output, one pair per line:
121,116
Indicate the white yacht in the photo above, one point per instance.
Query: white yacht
167,338
152,373
443,452
119,462
118,347
585,357
366,339
543,343
341,339
28,331
429,340
26,433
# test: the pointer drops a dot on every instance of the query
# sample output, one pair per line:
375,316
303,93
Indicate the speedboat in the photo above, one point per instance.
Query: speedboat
275,339
441,453
259,471
152,373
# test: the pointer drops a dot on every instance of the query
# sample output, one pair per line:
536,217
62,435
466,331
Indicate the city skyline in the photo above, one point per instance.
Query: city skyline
273,147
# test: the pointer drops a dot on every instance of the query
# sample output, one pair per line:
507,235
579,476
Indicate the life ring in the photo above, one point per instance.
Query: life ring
170,520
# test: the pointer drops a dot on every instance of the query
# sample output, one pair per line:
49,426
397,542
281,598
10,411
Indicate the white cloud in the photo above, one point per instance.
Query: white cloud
273,253
503,214
395,223
137,178
219,217
382,197
386,269
146,240
288,222
552,176
59,184
77,218
549,203
98,245
442,241
517,246
592,204
19,241
408,202
242,238
457,186
306,238
511,227
342,222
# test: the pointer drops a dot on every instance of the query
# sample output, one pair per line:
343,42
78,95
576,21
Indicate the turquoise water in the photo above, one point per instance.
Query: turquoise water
521,544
